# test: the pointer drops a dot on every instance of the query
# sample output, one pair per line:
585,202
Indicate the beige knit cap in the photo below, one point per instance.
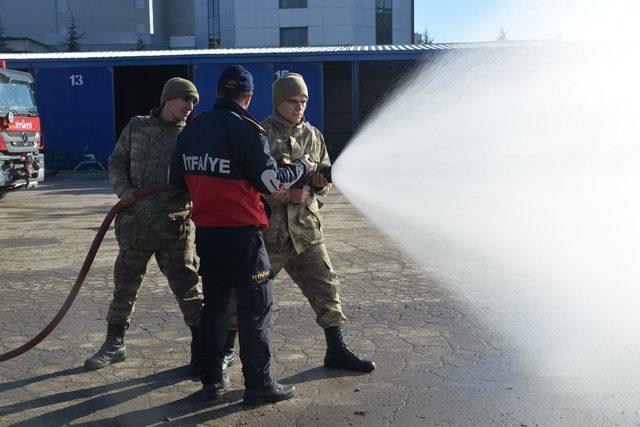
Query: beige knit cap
288,86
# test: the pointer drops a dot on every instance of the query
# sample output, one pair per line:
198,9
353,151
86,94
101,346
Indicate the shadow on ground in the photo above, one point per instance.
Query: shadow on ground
184,411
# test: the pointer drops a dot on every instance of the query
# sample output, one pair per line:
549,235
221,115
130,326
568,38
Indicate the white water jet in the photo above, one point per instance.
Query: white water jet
513,174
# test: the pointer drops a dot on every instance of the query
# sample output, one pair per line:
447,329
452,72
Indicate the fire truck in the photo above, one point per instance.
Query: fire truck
21,143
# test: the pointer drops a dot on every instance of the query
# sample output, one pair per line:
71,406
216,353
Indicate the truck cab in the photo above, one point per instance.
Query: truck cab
21,160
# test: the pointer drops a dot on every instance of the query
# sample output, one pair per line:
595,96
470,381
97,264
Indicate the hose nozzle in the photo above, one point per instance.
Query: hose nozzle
326,172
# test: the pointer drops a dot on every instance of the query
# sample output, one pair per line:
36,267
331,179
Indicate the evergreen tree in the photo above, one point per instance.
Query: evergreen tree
141,45
73,36
3,36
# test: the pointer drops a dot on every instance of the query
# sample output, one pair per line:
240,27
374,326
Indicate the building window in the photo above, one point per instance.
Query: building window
140,29
214,23
293,4
294,36
384,21
139,4
61,5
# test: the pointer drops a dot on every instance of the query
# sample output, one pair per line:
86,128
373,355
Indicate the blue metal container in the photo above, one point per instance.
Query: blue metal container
77,112
206,79
75,90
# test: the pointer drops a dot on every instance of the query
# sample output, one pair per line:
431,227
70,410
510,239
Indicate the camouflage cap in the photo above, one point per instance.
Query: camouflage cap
178,87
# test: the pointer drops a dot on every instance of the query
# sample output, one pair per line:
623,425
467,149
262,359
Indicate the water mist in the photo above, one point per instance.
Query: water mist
513,175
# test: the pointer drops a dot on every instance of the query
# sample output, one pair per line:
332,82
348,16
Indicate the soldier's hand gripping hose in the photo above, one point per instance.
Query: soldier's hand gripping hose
321,177
137,194
299,191
325,171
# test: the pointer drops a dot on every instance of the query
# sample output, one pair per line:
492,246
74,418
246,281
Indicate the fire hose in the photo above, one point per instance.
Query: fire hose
97,240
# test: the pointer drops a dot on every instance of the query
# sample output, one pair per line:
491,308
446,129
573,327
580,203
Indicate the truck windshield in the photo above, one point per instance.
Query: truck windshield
16,96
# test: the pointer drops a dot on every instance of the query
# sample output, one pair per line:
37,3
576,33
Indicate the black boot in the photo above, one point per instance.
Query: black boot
229,354
272,392
112,351
195,365
212,391
340,356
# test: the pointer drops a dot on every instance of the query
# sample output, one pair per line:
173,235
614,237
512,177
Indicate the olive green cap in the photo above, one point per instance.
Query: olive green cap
178,87
288,86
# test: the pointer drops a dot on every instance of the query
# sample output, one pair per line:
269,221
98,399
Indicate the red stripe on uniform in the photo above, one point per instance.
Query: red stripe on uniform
223,202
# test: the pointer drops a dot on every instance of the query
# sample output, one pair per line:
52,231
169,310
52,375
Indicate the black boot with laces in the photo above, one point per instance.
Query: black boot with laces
340,356
113,349
271,392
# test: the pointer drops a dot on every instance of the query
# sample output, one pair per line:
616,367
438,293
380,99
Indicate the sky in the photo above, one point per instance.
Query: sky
481,20
453,20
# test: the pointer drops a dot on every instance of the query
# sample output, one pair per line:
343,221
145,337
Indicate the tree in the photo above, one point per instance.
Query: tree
141,45
3,39
426,37
502,35
73,36
423,38
214,43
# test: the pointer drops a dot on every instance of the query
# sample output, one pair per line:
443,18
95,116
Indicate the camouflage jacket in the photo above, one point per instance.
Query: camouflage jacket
141,158
300,223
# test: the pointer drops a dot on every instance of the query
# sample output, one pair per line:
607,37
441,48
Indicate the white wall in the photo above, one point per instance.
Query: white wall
402,22
257,23
365,25
201,23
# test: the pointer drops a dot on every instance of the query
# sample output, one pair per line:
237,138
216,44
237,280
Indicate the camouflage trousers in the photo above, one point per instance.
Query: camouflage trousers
314,275
180,268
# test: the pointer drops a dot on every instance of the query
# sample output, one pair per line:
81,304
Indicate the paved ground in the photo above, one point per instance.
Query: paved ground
436,364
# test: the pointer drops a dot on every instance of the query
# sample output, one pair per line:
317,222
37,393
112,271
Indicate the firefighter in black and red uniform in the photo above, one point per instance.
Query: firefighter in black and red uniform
222,160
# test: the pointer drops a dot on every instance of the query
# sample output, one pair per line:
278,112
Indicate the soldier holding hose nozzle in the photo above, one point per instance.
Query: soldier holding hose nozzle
299,192
294,238
325,171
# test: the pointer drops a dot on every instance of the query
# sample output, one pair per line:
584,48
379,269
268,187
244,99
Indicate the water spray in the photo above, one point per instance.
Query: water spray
511,174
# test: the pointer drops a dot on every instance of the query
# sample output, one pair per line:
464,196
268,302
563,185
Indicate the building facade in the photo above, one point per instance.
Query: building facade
273,23
104,25
183,24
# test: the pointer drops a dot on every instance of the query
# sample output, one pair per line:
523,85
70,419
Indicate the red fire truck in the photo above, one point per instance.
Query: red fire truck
21,143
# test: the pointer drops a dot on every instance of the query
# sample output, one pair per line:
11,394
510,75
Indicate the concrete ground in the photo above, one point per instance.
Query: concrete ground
437,365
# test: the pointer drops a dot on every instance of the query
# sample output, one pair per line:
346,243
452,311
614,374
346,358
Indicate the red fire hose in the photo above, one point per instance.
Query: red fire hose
142,192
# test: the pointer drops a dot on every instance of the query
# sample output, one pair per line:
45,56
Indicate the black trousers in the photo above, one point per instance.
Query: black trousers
235,258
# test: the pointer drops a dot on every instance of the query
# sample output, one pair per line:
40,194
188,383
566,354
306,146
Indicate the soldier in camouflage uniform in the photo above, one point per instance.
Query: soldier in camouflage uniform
294,239
158,224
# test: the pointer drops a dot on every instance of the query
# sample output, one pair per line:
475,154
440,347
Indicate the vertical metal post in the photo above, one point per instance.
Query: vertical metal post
355,95
152,19
413,22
